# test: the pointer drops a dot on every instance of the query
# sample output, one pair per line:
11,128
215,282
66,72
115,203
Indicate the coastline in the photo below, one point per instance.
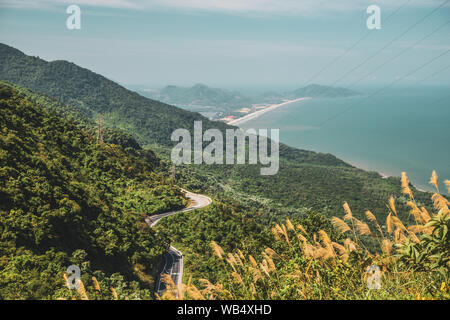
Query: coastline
368,169
381,174
357,164
258,113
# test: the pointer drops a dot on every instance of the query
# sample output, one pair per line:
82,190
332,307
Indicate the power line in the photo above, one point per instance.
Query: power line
437,101
385,87
391,42
352,47
429,76
399,54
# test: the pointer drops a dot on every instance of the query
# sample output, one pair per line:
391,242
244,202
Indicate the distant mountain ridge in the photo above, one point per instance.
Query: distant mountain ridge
319,91
150,121
218,103
201,95
305,179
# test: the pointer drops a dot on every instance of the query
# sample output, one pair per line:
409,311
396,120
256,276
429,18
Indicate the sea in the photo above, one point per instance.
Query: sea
402,129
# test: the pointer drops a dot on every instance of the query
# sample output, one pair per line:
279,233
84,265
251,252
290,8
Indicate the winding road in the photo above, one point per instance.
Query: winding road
174,258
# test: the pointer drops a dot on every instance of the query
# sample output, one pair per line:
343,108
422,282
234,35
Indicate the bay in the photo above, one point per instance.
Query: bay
404,129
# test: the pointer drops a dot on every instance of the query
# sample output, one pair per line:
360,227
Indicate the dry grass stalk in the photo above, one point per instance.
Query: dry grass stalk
325,238
66,281
232,261
340,224
370,216
96,284
253,261
416,228
389,223
237,278
425,215
350,245
308,250
362,228
300,227
171,292
256,274
415,211
399,236
252,286
405,186
439,202
399,224
238,259
420,229
349,214
82,290
280,231
392,205
321,248
209,290
264,267
241,255
343,253
289,225
272,267
114,293
386,246
340,248
321,253
286,234
276,234
218,251
413,237
301,238
434,180
447,183
271,252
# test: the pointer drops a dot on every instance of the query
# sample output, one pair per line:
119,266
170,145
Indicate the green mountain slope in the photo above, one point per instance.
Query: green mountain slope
150,121
201,95
67,200
108,135
306,179
315,90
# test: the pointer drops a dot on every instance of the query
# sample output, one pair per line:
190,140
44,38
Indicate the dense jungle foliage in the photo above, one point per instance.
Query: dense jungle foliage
148,120
307,180
66,199
311,258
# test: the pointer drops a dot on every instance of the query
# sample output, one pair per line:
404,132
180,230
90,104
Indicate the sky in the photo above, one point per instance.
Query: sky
234,44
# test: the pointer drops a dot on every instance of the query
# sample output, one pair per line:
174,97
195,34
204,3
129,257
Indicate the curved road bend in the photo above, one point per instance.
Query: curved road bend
174,258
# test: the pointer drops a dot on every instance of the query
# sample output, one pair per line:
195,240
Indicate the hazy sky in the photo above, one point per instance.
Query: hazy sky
233,43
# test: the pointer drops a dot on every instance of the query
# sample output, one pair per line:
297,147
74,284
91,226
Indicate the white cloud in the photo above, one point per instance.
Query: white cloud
43,4
290,7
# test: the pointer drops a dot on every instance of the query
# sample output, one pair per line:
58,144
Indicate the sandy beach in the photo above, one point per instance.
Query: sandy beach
381,174
258,113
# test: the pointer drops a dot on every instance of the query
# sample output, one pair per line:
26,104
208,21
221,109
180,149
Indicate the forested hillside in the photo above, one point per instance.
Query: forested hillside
67,199
315,90
150,121
306,179
315,258
202,95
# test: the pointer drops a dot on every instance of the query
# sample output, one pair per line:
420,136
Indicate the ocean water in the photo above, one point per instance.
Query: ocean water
401,130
